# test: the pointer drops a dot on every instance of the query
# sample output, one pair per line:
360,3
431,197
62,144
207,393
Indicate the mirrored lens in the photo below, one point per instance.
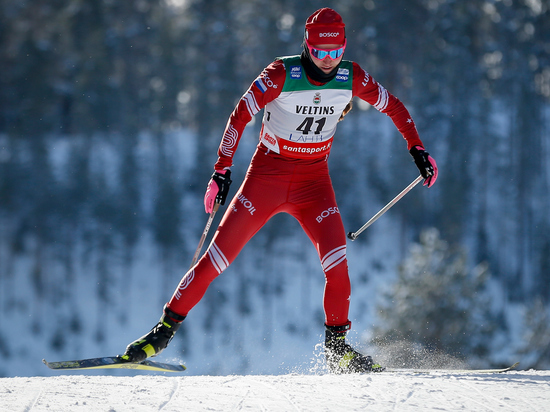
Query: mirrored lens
321,54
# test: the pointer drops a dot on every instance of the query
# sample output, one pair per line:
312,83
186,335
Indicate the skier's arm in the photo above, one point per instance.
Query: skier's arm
265,88
369,90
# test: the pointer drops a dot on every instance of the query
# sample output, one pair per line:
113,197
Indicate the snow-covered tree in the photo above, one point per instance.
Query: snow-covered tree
537,336
438,301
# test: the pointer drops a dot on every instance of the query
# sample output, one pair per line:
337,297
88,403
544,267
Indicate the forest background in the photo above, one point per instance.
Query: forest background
111,113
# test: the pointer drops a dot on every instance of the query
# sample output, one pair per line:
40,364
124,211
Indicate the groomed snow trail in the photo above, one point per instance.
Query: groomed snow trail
441,391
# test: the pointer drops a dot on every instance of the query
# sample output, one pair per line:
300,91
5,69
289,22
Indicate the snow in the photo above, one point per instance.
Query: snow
403,391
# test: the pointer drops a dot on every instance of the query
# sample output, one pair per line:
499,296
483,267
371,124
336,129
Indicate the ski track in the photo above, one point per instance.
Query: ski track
272,389
239,406
34,402
480,405
407,399
525,400
172,394
496,404
262,395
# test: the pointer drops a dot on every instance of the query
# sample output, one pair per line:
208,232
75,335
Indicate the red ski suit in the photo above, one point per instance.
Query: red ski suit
295,180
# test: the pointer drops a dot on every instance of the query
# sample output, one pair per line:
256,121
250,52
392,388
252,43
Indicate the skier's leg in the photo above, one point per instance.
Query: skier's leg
321,221
329,236
242,219
249,210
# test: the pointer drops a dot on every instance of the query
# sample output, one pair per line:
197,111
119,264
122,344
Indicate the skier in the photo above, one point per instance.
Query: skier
303,98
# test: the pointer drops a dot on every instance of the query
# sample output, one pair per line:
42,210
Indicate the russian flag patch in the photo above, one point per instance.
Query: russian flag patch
260,85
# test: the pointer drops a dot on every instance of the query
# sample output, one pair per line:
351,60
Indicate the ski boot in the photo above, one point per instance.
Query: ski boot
156,340
341,357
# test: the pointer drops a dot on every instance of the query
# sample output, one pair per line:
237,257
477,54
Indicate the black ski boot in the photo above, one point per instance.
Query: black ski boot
341,357
156,340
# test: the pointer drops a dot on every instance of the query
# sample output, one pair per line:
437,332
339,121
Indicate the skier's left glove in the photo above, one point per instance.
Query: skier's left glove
217,190
426,164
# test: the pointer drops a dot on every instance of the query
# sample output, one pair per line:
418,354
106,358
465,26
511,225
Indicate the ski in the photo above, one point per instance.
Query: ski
458,371
113,362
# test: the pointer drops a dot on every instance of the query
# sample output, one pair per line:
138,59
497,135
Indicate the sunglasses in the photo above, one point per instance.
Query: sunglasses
322,53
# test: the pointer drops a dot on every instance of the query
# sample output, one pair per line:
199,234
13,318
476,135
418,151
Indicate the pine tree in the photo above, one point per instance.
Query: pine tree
536,335
437,301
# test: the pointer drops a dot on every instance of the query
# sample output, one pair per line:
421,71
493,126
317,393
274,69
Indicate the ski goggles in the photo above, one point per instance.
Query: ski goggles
322,53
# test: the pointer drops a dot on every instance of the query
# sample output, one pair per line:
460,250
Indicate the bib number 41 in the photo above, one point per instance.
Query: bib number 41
307,124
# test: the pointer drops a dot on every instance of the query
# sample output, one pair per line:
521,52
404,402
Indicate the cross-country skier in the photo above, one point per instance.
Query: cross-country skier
303,98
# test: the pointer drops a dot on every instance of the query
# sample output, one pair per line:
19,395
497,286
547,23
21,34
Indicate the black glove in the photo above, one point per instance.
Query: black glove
425,163
223,181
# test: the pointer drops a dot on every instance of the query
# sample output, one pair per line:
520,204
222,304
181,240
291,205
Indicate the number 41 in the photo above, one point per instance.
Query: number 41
306,125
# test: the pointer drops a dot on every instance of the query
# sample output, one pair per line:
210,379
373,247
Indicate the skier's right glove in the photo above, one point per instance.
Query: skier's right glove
425,163
217,190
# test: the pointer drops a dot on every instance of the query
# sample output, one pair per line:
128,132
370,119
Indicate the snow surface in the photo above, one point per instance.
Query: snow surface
403,391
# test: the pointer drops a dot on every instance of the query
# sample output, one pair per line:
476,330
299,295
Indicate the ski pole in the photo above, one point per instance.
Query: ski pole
353,235
204,234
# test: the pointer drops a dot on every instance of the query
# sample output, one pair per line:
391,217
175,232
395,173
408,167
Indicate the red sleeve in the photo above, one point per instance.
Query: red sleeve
369,90
264,89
